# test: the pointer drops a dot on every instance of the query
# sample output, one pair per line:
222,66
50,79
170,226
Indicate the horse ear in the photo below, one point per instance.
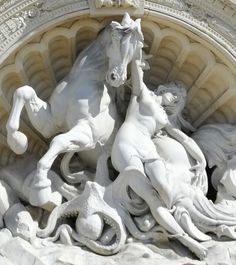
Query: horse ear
115,25
138,22
126,20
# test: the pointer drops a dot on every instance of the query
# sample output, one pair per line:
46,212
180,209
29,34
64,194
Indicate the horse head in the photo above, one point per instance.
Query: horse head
126,39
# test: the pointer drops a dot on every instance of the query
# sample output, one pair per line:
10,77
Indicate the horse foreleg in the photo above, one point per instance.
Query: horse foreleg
15,139
77,139
39,115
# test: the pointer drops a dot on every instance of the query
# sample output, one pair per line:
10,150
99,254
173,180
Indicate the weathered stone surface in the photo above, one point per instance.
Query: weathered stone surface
133,170
19,251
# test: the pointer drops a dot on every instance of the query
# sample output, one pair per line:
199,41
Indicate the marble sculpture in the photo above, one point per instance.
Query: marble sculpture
145,173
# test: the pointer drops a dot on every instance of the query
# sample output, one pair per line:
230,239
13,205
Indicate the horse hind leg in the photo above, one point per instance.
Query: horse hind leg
79,138
39,115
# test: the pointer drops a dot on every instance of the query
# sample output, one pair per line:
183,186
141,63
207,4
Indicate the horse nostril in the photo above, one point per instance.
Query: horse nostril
113,77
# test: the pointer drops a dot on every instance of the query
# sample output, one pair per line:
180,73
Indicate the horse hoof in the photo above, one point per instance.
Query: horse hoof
40,194
202,254
18,142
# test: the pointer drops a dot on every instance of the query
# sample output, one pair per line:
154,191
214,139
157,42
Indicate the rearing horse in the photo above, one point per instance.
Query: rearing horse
81,107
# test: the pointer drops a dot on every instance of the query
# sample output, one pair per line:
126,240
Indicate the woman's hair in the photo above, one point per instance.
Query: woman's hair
175,117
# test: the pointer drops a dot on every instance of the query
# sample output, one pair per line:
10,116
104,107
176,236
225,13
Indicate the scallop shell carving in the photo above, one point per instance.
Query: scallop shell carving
44,61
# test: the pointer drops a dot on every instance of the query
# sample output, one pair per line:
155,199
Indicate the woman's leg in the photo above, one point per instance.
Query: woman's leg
156,172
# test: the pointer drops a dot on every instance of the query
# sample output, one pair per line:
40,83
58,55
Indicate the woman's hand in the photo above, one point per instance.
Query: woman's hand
200,178
199,169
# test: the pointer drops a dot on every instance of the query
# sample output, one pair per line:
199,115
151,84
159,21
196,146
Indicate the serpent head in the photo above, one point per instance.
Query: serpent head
99,223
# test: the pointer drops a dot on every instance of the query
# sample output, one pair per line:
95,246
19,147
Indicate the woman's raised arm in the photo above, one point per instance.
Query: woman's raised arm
137,75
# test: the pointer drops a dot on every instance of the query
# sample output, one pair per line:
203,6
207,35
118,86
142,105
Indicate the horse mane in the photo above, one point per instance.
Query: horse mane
92,56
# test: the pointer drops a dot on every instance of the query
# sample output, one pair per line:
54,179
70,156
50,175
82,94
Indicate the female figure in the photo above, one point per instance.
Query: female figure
134,148
145,118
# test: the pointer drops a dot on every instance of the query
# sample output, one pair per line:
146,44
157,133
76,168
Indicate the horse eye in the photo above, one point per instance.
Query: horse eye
116,35
129,30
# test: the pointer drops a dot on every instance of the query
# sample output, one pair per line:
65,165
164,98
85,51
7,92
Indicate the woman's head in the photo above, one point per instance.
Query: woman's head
173,96
173,100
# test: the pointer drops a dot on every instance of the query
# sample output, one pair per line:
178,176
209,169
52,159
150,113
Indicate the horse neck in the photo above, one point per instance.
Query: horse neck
93,60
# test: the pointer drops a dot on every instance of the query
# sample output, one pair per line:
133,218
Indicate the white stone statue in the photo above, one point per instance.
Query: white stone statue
133,145
174,207
81,111
168,171
161,184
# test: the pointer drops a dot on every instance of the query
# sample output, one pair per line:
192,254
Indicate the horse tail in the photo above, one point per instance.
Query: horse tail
81,176
210,217
52,220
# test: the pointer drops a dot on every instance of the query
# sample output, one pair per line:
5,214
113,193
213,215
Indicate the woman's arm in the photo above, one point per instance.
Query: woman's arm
137,75
191,147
